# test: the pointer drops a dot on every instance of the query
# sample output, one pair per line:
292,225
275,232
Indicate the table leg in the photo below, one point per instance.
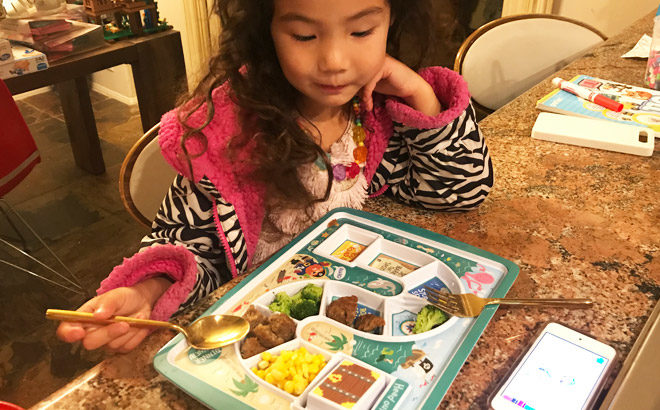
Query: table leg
159,76
80,122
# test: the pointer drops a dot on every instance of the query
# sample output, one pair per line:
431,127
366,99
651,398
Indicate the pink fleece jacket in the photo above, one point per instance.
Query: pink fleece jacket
247,197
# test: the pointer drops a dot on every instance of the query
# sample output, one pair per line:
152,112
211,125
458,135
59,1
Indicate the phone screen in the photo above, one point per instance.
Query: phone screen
557,374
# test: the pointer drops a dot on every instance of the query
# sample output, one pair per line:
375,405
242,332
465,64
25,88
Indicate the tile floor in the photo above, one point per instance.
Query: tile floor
82,218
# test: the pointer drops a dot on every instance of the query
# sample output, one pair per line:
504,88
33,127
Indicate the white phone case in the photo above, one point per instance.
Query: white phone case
594,133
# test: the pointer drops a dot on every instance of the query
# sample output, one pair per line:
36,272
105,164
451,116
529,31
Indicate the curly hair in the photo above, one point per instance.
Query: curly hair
248,62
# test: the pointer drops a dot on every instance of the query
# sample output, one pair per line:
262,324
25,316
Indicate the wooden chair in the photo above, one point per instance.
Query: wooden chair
144,178
502,59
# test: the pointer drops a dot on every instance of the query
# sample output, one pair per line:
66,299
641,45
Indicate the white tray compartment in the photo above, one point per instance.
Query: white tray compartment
345,233
290,289
398,254
266,312
364,401
366,298
431,275
294,344
401,312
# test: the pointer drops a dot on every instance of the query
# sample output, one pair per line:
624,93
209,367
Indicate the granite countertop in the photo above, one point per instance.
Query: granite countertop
579,222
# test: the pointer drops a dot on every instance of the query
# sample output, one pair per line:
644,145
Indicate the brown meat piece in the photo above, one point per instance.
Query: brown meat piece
266,336
282,325
250,347
343,310
254,317
369,322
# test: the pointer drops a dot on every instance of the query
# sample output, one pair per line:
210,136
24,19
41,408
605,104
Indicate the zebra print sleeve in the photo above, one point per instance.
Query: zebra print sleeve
446,168
185,218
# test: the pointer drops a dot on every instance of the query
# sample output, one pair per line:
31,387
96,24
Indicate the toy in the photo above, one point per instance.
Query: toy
124,18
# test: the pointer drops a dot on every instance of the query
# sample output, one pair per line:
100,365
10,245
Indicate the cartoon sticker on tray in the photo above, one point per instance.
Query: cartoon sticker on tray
308,266
392,265
422,365
348,250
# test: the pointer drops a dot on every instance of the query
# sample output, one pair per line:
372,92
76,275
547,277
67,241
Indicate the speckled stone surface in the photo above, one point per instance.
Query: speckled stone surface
579,222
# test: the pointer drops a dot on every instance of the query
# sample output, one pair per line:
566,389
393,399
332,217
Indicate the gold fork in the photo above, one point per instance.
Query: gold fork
469,305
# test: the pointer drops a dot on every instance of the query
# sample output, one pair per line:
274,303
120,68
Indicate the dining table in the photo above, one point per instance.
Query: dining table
158,72
579,222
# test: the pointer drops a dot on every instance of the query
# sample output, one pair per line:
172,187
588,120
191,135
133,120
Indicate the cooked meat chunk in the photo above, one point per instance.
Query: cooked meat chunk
250,347
369,322
266,336
254,317
282,325
343,310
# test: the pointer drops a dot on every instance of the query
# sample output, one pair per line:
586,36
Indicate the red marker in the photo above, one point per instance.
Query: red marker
587,94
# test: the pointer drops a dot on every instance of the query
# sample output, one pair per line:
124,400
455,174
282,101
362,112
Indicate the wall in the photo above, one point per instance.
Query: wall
116,82
608,16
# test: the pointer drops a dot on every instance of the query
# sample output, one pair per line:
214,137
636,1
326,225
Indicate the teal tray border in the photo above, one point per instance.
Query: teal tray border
212,396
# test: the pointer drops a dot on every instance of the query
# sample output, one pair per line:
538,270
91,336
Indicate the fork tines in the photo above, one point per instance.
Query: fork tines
442,300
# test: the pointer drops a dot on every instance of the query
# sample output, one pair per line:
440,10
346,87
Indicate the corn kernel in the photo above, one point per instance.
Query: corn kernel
277,375
291,371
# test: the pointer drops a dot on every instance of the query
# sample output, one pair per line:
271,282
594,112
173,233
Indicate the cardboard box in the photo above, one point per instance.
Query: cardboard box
5,52
25,61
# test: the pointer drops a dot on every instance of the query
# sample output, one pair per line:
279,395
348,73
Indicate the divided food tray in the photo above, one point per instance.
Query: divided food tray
386,264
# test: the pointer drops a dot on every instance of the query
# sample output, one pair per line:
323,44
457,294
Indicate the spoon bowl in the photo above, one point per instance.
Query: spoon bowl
208,332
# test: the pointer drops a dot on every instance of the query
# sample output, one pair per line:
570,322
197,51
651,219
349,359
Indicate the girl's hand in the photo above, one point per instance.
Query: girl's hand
136,301
397,79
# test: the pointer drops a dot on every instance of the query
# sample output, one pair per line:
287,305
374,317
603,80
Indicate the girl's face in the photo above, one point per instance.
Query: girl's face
329,50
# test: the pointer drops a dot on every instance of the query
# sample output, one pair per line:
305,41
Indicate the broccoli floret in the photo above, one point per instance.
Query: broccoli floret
428,318
297,298
312,292
282,303
303,309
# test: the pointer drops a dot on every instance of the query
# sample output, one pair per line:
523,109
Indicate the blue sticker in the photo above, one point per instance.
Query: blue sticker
434,283
403,323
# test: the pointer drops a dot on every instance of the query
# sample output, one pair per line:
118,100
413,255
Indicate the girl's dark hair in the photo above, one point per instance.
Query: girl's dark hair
266,101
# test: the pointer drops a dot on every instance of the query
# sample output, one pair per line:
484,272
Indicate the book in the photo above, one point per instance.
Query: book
48,27
25,61
641,106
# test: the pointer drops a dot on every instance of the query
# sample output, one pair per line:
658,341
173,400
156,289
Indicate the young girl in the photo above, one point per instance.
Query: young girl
305,109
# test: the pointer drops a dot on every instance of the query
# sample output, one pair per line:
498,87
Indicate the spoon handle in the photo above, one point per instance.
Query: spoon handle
75,316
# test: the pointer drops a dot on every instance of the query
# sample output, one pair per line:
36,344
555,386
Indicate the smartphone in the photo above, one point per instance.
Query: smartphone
563,369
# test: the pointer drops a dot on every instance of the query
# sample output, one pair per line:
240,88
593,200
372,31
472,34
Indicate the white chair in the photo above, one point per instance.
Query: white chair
144,178
504,58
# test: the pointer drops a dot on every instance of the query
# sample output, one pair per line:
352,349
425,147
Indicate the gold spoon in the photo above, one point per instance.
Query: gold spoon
208,332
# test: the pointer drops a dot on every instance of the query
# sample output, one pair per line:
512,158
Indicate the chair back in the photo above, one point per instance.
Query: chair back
144,178
504,58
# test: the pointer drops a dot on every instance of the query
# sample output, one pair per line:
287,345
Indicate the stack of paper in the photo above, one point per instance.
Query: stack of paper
56,38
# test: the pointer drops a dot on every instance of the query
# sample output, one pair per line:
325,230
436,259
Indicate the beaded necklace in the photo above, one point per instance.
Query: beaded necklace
350,171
